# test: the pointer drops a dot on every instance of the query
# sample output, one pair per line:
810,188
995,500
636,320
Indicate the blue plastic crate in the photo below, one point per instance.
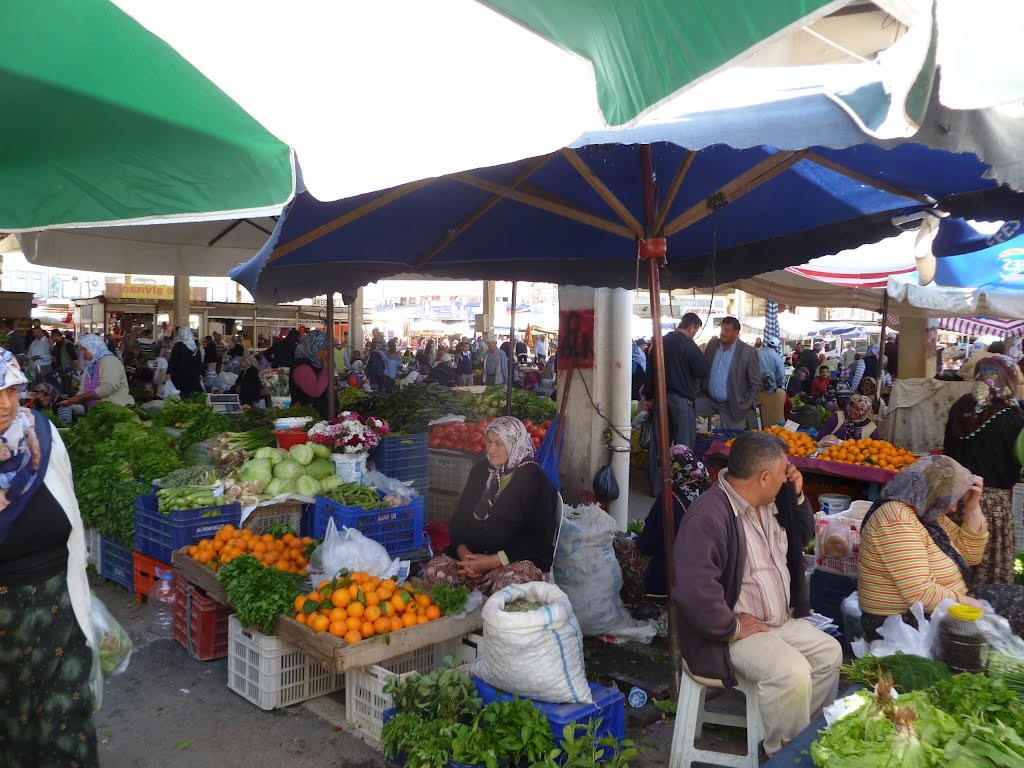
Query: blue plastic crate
160,535
399,529
404,457
307,519
117,564
609,704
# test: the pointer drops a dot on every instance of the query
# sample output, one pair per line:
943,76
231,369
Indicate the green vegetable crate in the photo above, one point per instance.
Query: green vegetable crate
160,535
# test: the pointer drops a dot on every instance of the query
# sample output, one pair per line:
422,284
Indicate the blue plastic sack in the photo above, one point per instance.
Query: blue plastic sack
549,455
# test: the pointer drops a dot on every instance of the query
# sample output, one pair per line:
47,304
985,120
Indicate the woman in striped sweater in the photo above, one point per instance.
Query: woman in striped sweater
911,551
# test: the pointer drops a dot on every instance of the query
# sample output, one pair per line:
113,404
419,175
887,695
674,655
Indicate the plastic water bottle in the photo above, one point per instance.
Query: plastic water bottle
162,596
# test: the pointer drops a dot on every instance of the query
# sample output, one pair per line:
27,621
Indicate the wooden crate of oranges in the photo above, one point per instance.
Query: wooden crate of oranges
357,620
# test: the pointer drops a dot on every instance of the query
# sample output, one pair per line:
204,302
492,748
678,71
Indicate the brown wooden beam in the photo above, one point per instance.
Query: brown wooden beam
602,190
864,179
764,171
673,190
558,209
230,227
262,229
346,219
480,212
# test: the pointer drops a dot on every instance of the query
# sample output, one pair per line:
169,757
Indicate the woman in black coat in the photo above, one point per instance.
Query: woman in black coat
186,364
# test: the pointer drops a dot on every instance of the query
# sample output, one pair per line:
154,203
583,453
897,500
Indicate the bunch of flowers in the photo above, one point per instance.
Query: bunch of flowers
275,381
349,433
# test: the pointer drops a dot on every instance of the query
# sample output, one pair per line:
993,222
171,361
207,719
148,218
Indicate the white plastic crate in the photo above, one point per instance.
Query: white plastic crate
272,673
441,505
449,470
1018,514
92,547
849,526
365,700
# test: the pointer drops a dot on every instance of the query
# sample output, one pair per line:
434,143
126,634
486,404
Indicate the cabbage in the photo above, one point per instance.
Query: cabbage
321,468
287,468
330,483
321,451
273,455
256,470
307,486
280,485
303,454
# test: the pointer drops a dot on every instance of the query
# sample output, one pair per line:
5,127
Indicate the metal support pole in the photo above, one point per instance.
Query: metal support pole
653,249
881,351
332,398
511,351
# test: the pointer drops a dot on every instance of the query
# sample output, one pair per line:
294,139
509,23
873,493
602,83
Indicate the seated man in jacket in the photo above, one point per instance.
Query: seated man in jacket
740,591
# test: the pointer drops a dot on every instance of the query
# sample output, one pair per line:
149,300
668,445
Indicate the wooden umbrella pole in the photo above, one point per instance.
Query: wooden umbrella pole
511,351
332,399
653,249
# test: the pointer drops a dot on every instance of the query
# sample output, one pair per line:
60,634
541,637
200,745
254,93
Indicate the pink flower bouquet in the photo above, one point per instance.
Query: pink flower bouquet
349,433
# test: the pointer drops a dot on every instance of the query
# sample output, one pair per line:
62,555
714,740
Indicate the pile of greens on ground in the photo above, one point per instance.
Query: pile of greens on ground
963,721
908,672
413,407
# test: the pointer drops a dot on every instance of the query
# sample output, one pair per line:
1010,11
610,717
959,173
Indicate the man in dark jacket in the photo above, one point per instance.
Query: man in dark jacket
282,353
740,593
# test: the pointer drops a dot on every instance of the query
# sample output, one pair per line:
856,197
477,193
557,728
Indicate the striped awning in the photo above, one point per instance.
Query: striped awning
839,276
983,326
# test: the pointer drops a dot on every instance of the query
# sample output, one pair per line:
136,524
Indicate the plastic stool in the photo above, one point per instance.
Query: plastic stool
691,717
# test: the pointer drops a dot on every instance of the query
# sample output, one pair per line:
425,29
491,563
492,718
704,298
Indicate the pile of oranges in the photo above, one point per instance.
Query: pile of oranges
358,606
872,453
287,553
799,443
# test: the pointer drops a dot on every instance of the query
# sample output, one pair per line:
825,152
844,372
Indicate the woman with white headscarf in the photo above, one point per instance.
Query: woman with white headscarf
49,664
503,530
104,377
186,364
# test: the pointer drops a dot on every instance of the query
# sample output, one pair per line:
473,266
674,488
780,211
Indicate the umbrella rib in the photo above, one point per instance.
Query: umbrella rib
253,224
346,219
673,190
479,213
219,237
559,209
763,172
864,179
602,190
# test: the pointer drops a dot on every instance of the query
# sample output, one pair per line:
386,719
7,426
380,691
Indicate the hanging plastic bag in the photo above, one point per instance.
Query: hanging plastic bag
645,424
111,648
348,548
606,487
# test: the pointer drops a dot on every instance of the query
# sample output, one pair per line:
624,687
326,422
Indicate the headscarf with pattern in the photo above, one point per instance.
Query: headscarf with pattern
690,477
186,337
308,350
23,459
513,435
97,347
995,382
932,486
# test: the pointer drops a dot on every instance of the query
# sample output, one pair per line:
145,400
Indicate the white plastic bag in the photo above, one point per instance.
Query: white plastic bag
586,568
112,648
534,654
348,548
896,636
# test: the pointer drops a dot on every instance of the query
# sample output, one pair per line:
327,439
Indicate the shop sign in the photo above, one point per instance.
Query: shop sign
151,292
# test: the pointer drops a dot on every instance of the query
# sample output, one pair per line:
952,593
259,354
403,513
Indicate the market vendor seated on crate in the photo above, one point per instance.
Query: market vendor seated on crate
503,530
740,592
855,426
910,550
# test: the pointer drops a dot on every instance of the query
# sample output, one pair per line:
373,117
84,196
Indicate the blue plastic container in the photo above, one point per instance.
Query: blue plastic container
117,564
399,529
160,535
609,705
404,457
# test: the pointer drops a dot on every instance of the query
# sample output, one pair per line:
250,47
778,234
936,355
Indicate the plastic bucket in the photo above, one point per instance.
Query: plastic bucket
350,466
831,503
286,438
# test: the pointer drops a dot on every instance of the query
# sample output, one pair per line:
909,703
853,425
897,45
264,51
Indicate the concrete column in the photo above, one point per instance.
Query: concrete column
487,307
608,382
182,306
355,323
917,348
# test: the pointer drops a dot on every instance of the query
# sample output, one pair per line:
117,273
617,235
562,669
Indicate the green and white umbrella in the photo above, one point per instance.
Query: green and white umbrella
105,122
376,94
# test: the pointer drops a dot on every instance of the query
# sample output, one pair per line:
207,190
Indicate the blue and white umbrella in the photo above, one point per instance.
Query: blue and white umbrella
771,321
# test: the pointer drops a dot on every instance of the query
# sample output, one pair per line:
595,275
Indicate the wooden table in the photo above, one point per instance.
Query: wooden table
200,575
341,657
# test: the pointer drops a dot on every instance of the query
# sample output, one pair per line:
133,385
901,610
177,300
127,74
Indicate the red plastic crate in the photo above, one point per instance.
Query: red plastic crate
200,624
145,574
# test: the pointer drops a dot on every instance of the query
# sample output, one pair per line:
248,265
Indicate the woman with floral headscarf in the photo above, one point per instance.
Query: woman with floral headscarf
503,530
186,364
981,433
307,380
855,424
47,643
103,379
911,551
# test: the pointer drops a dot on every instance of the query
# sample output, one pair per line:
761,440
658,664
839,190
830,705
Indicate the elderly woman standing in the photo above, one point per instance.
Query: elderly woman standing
104,377
981,434
46,656
503,531
307,380
186,364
